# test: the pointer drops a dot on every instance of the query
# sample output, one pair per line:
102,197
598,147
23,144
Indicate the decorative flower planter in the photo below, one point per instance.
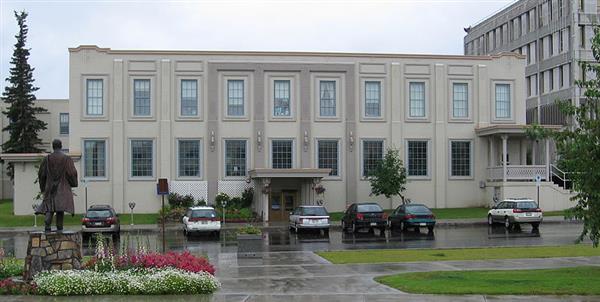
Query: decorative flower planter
250,245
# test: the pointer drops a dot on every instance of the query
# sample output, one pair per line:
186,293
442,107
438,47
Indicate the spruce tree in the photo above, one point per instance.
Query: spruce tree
23,125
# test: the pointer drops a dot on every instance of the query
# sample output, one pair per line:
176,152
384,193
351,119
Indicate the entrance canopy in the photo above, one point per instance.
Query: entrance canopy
289,173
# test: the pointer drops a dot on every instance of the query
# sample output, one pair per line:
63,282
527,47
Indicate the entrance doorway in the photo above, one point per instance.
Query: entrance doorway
281,204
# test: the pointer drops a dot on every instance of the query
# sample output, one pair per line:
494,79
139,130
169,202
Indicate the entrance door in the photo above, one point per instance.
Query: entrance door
281,204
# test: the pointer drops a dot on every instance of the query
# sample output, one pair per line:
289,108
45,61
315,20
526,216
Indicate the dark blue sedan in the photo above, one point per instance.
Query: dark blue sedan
412,216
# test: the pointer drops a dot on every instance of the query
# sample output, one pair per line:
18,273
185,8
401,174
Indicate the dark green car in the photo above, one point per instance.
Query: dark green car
412,216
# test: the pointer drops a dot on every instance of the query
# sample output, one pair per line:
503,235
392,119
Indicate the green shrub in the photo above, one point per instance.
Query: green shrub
10,267
220,199
247,198
177,200
163,281
250,230
173,214
234,203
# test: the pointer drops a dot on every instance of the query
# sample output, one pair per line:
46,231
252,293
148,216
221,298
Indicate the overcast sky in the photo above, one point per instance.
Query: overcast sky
391,26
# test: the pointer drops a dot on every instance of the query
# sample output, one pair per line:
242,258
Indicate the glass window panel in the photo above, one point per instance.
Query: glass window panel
282,154
94,97
328,156
372,156
141,97
235,158
460,100
281,99
503,101
235,97
142,158
189,97
189,158
327,98
417,99
94,158
460,158
372,99
64,123
417,158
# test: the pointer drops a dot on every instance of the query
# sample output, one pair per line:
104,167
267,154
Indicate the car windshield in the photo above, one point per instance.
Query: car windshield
99,214
314,211
526,205
204,214
369,208
418,209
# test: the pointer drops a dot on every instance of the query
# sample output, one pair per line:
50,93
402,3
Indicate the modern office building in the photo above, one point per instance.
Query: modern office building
287,124
554,35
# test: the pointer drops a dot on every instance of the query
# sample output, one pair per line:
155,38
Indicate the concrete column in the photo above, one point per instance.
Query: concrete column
492,152
165,139
504,156
212,149
534,151
523,151
548,160
118,142
439,143
352,96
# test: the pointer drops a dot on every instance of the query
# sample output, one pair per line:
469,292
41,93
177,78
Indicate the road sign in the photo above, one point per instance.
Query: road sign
538,180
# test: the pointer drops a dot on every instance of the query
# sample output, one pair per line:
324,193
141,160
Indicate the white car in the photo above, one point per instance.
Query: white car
201,220
309,217
514,211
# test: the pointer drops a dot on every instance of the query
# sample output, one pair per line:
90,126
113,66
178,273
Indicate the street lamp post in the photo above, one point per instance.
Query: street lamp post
131,206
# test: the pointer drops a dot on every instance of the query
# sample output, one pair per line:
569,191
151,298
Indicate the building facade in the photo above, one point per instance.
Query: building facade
554,35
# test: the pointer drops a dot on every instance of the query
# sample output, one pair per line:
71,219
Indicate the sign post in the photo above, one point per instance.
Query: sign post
538,183
84,182
162,189
131,206
224,204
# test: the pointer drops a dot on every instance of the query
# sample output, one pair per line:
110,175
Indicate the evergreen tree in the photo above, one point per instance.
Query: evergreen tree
23,125
389,178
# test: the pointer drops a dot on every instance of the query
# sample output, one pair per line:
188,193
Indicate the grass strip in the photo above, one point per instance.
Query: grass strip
414,255
563,281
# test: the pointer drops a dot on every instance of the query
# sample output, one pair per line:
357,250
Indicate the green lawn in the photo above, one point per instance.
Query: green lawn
452,213
7,219
412,255
563,281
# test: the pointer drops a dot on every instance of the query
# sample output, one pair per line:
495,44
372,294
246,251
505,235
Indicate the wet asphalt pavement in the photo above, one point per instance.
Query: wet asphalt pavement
281,239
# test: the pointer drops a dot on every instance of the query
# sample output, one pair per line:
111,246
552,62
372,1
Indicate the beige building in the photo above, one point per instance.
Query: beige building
57,120
287,123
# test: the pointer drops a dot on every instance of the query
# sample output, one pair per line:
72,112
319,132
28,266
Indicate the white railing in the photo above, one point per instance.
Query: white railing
560,177
516,172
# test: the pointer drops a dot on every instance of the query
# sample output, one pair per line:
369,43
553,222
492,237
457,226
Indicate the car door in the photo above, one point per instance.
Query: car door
398,216
348,216
497,212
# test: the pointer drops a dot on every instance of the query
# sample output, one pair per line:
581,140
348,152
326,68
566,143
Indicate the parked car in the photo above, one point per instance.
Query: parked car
101,219
309,217
364,215
412,216
201,220
514,211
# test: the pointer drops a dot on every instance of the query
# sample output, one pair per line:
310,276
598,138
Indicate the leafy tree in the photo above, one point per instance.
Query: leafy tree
389,177
578,147
21,112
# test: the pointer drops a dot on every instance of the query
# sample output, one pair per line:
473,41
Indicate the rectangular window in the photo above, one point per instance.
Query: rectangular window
63,121
141,97
235,157
235,98
560,77
503,101
417,158
189,97
372,156
417,99
460,158
282,154
94,97
94,158
582,36
328,156
142,163
551,79
460,100
188,157
372,99
327,106
281,98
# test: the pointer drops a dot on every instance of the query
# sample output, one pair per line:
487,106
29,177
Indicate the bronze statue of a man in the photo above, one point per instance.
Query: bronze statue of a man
57,175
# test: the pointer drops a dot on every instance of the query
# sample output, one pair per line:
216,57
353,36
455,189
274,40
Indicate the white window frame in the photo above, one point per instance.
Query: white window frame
339,96
224,158
408,116
247,79
511,86
132,78
335,99
199,98
471,157
294,95
106,159
130,162
362,153
363,99
105,93
406,161
271,151
339,156
200,154
469,117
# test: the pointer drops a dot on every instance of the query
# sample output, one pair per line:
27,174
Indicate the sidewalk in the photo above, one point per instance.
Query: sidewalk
272,225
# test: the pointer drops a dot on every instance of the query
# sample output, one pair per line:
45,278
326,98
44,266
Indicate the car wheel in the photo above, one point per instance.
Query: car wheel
490,220
354,227
535,225
507,223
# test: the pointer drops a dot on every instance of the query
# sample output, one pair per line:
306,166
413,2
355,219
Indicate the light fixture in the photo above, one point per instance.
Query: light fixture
351,140
305,140
259,140
212,141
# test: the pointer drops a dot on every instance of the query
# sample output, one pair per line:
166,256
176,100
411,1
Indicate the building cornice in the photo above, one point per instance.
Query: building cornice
31,157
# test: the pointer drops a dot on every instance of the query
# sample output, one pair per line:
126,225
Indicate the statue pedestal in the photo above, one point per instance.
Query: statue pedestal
52,251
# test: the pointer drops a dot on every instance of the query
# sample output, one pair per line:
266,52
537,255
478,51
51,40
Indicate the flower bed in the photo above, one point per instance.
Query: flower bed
183,261
9,287
153,281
